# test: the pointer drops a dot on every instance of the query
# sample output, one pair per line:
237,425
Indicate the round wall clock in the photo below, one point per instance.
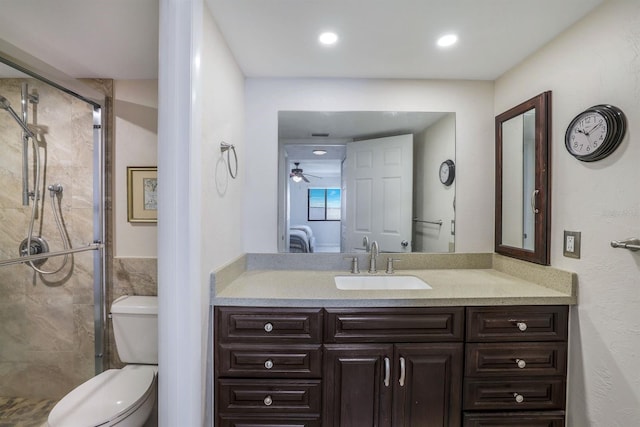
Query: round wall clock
595,133
447,172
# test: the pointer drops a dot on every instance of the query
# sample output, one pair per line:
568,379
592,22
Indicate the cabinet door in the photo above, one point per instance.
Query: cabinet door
427,385
355,391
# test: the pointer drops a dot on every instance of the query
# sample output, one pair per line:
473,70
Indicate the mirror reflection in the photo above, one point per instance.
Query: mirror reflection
518,192
349,178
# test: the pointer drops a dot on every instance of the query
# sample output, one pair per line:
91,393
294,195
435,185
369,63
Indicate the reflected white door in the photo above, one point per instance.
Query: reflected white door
379,182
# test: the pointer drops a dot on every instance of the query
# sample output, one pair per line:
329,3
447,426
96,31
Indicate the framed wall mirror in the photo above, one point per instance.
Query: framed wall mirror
523,200
347,178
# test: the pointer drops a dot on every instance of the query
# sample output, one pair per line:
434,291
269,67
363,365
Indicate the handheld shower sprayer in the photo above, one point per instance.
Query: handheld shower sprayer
6,105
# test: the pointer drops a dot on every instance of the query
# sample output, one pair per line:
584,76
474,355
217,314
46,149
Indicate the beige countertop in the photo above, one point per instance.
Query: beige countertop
450,286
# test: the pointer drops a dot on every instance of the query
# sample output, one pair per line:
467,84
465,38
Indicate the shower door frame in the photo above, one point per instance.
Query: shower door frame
27,64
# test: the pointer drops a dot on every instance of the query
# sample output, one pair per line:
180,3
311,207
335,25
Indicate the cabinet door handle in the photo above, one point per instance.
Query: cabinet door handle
519,398
402,372
387,371
521,363
268,364
534,209
268,327
268,401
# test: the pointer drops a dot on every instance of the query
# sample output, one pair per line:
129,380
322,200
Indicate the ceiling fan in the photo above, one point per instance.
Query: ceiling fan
297,174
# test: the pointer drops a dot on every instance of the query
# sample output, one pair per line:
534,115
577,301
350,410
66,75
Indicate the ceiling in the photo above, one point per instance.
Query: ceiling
277,38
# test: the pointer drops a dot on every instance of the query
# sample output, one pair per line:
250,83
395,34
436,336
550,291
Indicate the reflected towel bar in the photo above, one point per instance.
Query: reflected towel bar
13,261
438,222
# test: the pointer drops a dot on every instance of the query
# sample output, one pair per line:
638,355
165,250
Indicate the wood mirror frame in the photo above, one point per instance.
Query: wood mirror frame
540,198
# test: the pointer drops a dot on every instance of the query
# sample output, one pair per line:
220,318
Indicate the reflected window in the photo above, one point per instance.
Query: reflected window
324,204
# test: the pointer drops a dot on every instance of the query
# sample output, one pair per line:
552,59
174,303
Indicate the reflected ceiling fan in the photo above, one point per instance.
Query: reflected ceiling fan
297,174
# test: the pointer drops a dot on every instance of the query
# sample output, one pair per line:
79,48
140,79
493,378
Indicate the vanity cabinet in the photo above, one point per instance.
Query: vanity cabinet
393,367
515,366
268,367
390,367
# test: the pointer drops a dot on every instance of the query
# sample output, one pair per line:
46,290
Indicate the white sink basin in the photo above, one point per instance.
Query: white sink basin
386,283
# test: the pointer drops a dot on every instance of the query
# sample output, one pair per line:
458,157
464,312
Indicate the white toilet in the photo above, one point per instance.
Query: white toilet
119,397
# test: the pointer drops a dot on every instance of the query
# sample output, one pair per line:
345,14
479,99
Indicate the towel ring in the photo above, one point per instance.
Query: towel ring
228,148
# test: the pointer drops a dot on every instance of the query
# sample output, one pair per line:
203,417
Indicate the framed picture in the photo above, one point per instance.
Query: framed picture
142,194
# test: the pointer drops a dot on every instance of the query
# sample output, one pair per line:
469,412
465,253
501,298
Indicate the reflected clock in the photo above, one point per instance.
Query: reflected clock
595,133
447,172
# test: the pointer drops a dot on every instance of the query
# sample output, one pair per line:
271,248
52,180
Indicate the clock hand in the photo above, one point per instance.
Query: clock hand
593,128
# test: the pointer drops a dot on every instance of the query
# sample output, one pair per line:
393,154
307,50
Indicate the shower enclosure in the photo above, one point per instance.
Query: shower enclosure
51,237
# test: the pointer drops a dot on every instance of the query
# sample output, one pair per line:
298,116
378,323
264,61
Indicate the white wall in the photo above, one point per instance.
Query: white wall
223,120
434,200
596,61
471,101
136,144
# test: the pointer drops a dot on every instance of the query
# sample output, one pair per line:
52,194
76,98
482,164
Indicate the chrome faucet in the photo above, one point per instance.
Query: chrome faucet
372,257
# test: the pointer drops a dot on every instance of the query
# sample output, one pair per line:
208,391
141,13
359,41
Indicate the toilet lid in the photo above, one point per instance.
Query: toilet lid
104,397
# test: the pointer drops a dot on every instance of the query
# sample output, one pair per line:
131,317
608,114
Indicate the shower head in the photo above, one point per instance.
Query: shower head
6,105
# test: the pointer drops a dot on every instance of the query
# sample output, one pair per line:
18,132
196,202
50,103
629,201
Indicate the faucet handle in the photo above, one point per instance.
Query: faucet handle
355,269
390,261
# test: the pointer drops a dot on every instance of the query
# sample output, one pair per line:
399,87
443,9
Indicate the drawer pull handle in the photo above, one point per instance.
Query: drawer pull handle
268,401
522,326
387,371
402,372
268,364
519,397
521,363
268,327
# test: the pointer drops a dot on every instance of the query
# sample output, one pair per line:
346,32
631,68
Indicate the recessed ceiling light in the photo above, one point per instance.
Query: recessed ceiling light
319,152
328,38
447,40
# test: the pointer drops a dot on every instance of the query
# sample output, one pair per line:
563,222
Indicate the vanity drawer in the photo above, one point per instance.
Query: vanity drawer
244,397
516,359
517,323
281,325
514,419
432,324
270,421
517,394
270,361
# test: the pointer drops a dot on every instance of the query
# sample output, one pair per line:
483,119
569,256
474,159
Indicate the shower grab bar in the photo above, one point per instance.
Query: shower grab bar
21,260
438,222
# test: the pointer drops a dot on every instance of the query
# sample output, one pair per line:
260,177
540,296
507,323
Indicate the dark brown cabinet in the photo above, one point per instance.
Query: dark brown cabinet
501,366
268,367
391,381
515,366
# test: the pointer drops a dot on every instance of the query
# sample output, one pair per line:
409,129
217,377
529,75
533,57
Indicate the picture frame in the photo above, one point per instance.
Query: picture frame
142,194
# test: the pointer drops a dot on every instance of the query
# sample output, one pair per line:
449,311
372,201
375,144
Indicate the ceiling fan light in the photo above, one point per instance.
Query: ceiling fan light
296,178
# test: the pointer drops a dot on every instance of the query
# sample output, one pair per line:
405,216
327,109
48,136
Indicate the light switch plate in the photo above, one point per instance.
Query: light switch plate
571,244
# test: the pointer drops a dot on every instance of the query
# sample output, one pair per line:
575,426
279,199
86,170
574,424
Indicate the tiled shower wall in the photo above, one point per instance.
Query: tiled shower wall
46,321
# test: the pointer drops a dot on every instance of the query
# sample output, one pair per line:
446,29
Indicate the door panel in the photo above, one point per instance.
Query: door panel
379,174
431,394
355,394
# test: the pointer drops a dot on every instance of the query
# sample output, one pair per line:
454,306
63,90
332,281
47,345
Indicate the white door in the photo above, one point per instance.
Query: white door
379,192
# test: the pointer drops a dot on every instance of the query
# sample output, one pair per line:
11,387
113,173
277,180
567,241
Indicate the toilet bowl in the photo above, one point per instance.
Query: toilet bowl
119,397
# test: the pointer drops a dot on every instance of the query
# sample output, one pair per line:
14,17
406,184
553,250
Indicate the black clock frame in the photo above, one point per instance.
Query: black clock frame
616,128
452,172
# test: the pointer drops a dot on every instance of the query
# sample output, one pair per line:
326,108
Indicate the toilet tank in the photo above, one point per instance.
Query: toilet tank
135,328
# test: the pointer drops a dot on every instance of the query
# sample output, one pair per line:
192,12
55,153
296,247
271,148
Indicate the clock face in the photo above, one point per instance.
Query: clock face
447,172
595,133
587,133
